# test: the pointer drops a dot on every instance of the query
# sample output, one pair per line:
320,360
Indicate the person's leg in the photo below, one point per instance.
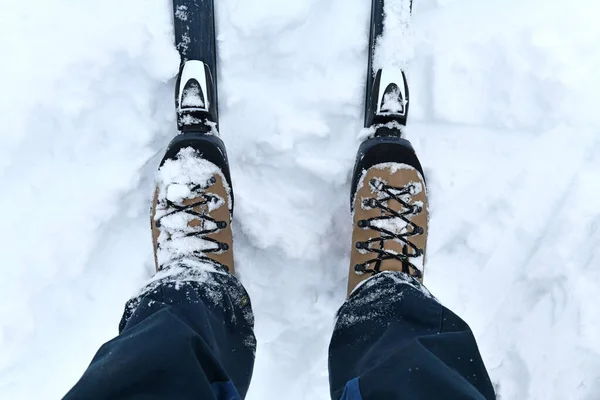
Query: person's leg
188,336
392,339
189,333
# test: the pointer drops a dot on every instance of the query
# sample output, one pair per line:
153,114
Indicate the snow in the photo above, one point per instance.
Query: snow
181,13
191,98
396,46
504,116
392,103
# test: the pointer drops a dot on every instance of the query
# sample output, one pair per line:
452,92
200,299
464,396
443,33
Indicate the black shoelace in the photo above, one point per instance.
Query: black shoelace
203,199
391,193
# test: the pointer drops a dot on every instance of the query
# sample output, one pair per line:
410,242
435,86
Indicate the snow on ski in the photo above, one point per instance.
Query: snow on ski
196,95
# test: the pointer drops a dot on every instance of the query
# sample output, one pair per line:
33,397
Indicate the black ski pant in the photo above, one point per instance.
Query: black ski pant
189,335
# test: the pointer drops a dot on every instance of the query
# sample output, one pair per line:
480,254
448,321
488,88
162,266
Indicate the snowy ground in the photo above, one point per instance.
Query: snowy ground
504,117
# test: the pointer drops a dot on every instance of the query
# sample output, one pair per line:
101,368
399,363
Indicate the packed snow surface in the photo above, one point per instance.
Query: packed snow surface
504,116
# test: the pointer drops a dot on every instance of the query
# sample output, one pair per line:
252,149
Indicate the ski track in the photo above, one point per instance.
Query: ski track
503,116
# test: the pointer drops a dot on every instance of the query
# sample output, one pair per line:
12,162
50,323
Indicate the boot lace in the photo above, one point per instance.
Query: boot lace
202,199
386,193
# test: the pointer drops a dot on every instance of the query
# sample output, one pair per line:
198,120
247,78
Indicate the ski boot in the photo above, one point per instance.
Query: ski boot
193,204
389,209
389,197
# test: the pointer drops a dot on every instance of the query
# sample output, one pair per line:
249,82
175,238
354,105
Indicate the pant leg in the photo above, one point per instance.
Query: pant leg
393,340
188,335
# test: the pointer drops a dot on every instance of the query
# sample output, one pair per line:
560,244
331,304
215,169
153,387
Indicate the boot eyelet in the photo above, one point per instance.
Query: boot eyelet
212,180
224,246
377,184
362,223
361,245
359,269
222,225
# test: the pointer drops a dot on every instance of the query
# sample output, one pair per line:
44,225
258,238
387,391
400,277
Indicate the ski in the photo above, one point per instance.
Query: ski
387,95
196,95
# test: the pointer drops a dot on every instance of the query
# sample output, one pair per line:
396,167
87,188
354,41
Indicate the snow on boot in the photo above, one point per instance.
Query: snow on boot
390,211
193,204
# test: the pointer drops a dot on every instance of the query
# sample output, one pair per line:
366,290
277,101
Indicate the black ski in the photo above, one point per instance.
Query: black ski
387,97
196,95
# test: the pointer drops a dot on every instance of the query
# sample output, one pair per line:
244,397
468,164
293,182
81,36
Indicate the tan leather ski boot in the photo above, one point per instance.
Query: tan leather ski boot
193,203
390,211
